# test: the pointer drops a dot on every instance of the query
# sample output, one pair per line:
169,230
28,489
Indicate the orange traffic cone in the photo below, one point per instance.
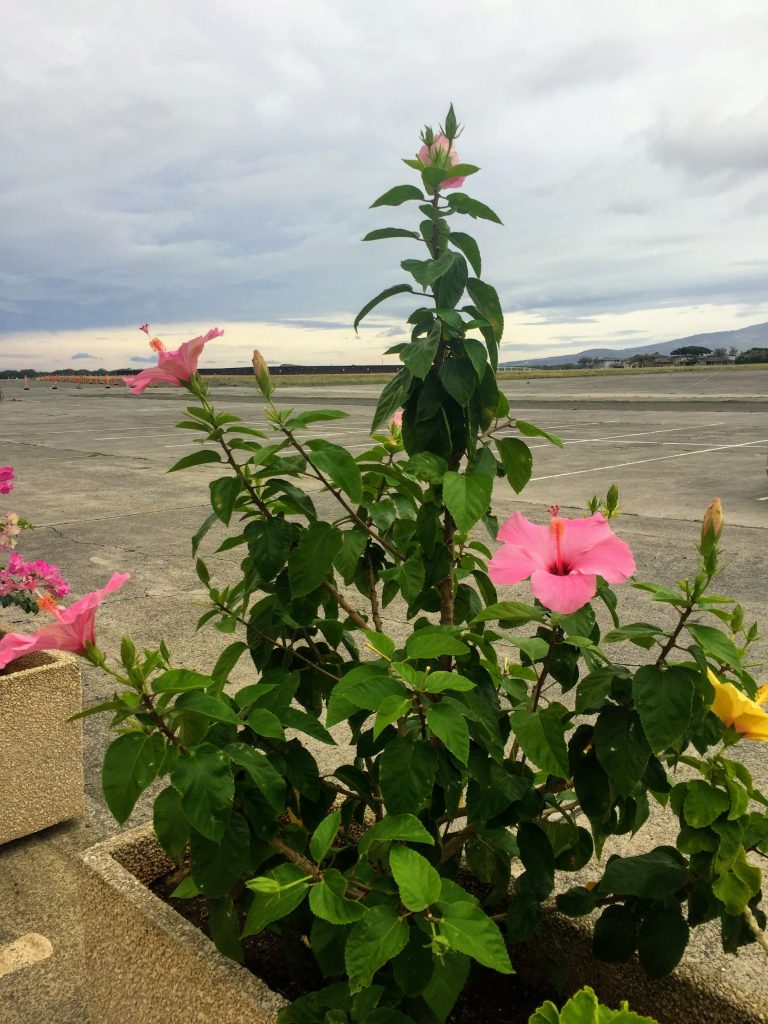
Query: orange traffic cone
106,382
26,383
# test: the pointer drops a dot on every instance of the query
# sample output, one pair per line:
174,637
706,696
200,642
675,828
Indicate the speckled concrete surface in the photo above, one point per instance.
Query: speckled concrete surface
41,753
130,934
113,509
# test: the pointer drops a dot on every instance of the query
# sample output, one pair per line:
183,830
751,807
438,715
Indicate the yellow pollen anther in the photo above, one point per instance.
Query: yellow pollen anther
156,345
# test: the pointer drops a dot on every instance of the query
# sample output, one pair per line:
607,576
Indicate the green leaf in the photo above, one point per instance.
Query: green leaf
411,576
449,725
180,680
303,419
458,378
649,876
514,612
426,272
530,430
215,708
517,461
398,195
467,498
403,827
328,901
461,203
303,721
523,915
268,780
170,825
269,541
224,926
538,858
433,642
444,986
439,682
419,355
337,464
268,907
469,247
390,709
365,686
661,940
131,764
477,355
615,936
197,538
224,492
227,660
349,554
373,941
374,236
196,459
736,886
311,560
217,866
469,930
664,700
204,780
393,396
644,634
396,289
323,836
487,303
265,723
716,645
541,735
418,882
406,775
704,803
426,466
621,747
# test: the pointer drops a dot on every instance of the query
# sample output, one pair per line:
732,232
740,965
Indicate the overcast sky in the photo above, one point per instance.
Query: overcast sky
191,164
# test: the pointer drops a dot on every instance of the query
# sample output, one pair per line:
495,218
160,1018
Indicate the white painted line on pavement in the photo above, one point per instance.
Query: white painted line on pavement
657,458
763,499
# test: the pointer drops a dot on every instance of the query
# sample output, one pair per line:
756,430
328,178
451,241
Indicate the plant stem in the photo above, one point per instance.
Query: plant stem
684,616
754,927
373,594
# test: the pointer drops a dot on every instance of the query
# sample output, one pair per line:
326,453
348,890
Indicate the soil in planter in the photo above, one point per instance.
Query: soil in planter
288,967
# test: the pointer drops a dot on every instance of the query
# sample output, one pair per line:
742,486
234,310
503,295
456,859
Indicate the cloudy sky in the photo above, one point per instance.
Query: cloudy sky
190,164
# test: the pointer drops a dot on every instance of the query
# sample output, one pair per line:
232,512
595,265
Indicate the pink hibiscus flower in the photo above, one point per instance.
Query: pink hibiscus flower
434,154
563,559
74,627
176,367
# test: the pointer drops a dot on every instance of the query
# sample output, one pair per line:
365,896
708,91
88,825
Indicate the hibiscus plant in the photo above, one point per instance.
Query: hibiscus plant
491,750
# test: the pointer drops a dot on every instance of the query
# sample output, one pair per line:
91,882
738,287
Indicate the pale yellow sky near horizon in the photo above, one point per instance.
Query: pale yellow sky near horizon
526,336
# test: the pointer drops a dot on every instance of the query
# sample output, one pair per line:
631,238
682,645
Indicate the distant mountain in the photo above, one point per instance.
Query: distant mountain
742,339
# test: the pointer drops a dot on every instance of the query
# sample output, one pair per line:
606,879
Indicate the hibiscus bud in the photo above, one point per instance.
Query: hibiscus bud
261,373
711,526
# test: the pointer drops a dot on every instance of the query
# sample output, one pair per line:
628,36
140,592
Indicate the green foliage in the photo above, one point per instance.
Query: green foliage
495,740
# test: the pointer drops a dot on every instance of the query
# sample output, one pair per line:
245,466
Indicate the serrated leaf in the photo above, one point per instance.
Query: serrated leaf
433,642
268,907
373,942
462,203
390,709
403,827
530,430
179,680
327,900
392,398
218,865
449,725
704,803
418,882
439,682
469,930
269,781
312,559
419,355
170,825
716,645
406,775
467,497
204,781
515,612
469,247
338,466
664,701
224,494
323,836
379,233
541,735
131,764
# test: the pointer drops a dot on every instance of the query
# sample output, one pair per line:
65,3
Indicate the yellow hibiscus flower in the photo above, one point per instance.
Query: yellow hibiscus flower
731,706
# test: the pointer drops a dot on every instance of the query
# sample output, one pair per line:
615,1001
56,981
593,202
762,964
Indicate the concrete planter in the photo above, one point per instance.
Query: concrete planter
146,963
41,753
151,966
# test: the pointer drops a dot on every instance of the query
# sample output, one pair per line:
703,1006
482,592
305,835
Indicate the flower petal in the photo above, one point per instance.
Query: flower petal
611,558
536,541
564,594
510,564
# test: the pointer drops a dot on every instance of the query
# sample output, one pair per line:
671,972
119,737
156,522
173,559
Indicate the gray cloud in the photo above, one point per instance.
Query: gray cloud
84,355
143,359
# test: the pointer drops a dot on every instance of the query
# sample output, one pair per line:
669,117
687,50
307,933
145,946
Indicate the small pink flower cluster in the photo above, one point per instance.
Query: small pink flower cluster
37,577
6,479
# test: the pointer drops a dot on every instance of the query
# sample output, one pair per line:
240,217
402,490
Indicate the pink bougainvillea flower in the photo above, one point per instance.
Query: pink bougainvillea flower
441,152
176,367
6,479
74,627
563,559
